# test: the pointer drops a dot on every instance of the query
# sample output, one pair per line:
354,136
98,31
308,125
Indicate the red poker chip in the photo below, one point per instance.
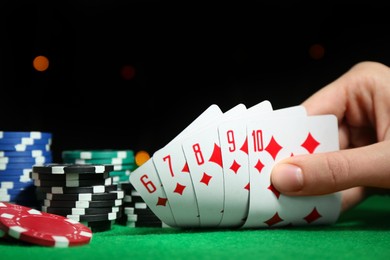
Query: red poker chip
41,228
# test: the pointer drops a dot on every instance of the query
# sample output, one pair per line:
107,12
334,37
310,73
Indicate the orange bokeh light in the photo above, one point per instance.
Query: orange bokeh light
41,63
141,157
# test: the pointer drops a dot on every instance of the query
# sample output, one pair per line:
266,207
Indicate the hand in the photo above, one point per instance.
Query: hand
360,99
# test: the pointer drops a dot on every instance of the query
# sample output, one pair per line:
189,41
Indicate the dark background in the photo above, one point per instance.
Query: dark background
187,55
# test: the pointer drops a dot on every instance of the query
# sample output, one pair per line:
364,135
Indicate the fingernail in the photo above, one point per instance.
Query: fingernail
287,177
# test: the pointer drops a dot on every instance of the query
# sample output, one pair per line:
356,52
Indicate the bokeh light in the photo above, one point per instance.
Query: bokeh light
128,72
316,51
41,63
141,157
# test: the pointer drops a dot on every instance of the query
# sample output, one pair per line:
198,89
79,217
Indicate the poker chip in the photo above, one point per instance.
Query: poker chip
127,187
150,224
25,141
31,153
68,176
124,167
41,228
97,154
133,199
82,203
95,217
119,179
24,147
123,161
113,195
21,134
115,161
81,192
15,185
15,166
19,152
73,183
79,211
34,160
15,178
120,173
25,171
28,193
86,189
135,212
99,226
57,168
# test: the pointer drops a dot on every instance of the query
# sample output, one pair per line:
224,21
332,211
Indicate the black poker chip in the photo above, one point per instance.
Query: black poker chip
142,223
112,195
95,217
137,222
82,203
68,176
95,189
140,205
73,183
126,186
79,211
141,218
133,199
99,226
144,212
57,168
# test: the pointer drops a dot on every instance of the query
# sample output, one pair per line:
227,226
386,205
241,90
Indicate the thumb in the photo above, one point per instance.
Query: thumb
325,173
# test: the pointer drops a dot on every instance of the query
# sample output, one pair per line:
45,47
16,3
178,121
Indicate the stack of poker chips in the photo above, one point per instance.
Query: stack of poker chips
122,160
136,213
19,152
84,193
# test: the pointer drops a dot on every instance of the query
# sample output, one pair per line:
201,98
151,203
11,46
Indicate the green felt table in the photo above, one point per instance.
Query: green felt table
361,233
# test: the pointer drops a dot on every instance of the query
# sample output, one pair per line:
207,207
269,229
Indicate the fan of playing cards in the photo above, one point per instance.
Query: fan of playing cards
216,172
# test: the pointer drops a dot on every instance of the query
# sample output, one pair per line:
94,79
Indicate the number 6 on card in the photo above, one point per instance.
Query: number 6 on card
146,181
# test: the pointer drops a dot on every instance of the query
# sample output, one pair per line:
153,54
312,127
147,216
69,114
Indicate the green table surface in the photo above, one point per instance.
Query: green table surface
361,233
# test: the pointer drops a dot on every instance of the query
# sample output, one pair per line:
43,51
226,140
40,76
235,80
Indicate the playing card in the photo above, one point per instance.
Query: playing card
203,155
146,180
173,171
202,120
269,141
234,150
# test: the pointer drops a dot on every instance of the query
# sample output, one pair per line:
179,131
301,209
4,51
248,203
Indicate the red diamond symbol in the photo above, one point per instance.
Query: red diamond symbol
161,201
247,187
216,157
244,146
235,166
206,179
310,143
274,220
274,191
273,148
259,166
185,168
313,216
179,188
